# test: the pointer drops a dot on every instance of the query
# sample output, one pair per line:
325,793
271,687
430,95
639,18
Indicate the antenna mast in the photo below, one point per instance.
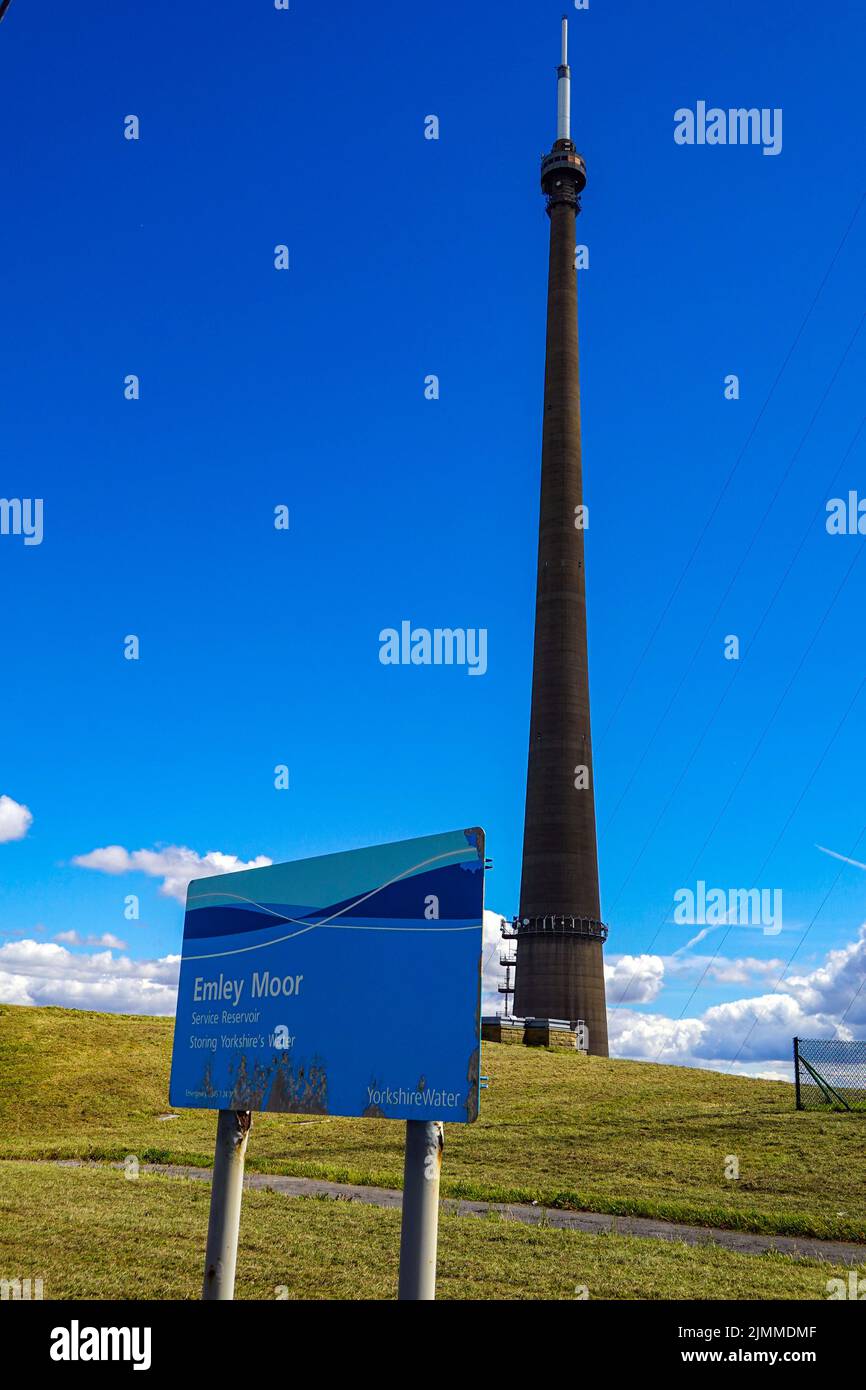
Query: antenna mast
563,89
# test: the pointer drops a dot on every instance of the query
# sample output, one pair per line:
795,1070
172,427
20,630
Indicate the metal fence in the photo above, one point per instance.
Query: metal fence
830,1074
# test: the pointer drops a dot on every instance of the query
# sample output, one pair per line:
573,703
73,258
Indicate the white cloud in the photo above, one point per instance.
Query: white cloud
634,979
725,970
42,972
776,1017
13,989
739,971
36,929
71,938
107,938
15,820
640,979
755,1031
492,973
831,987
174,864
645,1036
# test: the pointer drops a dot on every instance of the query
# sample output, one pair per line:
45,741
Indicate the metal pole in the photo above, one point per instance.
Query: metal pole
233,1128
563,91
797,1072
420,1229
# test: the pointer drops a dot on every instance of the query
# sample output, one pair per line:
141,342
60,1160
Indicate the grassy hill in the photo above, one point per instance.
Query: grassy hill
561,1129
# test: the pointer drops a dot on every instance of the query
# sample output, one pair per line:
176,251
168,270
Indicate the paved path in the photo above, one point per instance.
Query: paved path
595,1223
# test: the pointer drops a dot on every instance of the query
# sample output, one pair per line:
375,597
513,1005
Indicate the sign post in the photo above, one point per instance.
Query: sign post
419,1232
227,1185
348,984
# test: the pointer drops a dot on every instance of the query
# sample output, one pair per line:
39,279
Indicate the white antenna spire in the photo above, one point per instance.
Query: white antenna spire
563,90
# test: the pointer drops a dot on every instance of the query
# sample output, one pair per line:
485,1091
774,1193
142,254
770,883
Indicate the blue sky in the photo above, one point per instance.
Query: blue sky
305,388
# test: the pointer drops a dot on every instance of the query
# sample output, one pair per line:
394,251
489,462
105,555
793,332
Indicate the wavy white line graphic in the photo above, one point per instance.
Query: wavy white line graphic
326,921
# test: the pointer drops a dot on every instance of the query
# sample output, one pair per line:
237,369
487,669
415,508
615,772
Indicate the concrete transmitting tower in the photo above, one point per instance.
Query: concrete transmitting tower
560,969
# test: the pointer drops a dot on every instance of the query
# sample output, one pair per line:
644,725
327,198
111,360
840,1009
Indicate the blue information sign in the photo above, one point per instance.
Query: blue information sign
349,984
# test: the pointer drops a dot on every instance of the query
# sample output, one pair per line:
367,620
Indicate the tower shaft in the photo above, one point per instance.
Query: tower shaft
560,865
560,970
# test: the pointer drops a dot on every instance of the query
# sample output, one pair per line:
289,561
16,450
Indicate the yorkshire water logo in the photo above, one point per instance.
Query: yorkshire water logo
738,125
77,1343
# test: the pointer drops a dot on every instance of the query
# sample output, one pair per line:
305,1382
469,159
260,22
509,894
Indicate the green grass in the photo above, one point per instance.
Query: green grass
558,1128
90,1233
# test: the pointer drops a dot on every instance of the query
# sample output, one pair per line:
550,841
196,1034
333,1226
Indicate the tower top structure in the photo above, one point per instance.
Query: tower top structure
563,171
